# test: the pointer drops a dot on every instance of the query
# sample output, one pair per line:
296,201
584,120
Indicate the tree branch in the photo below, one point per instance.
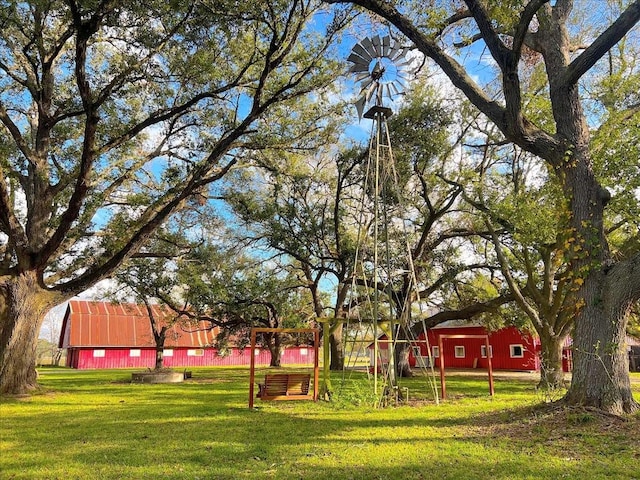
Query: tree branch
466,313
612,35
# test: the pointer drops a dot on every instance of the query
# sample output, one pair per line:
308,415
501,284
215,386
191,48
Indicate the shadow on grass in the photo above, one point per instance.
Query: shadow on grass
202,429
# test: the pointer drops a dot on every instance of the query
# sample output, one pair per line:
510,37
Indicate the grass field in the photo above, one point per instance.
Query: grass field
97,425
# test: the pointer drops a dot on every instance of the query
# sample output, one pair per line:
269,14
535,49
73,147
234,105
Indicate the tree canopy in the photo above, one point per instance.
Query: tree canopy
115,115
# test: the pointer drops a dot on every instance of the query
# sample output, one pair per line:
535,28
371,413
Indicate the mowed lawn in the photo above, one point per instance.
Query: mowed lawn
97,425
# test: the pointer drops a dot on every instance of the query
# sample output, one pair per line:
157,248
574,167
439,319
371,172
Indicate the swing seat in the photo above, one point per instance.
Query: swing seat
281,386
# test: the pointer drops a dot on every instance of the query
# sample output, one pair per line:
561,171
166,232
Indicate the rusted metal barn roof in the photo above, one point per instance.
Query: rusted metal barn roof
104,324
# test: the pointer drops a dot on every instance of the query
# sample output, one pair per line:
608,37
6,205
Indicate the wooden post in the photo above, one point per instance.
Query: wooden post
443,388
488,347
252,370
316,342
326,358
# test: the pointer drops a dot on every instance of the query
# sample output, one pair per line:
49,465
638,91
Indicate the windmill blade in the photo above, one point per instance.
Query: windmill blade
386,45
388,88
399,52
399,57
368,46
359,64
377,45
358,49
405,52
359,69
394,48
362,76
399,86
360,107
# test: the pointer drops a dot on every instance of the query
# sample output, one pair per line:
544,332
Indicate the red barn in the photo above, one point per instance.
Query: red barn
510,348
107,335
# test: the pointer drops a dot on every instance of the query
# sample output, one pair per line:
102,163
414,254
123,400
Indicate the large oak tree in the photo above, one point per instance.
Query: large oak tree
114,115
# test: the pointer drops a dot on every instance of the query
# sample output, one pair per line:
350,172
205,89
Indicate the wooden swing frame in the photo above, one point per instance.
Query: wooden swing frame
284,386
443,387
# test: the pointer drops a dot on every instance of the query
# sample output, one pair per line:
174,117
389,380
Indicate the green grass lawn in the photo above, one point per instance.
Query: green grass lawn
97,425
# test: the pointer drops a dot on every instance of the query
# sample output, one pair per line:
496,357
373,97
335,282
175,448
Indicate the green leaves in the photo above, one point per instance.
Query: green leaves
116,116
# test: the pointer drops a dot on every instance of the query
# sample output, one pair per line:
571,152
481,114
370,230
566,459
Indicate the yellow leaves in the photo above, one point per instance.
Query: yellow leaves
568,242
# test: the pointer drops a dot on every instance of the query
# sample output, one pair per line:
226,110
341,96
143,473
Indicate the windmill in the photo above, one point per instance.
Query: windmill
379,65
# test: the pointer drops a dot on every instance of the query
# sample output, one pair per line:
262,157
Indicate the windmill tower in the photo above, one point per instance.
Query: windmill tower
379,65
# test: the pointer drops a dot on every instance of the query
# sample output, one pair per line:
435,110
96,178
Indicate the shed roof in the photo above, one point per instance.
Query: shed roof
105,324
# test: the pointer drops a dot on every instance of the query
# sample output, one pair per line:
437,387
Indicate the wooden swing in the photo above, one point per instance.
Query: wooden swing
285,386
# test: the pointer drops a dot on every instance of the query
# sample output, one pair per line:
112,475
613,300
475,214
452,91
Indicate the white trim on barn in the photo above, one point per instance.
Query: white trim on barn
516,351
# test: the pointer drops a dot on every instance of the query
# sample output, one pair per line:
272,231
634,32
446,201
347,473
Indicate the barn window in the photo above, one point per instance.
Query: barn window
459,351
304,351
517,351
483,351
98,353
167,352
416,352
134,352
196,352
435,351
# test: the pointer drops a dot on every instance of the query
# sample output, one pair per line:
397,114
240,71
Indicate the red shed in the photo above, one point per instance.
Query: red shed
510,348
108,335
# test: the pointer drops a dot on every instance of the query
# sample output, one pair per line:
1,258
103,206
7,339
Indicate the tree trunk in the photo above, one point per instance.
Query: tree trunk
337,354
56,357
402,349
551,373
274,348
336,331
159,337
601,364
275,357
159,357
604,295
403,368
24,305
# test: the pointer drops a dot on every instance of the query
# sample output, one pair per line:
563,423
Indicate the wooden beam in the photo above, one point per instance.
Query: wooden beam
443,388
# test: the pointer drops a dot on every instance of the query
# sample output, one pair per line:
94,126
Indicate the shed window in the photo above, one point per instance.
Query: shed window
483,351
196,352
517,351
435,351
134,352
459,351
416,352
98,353
167,352
304,351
